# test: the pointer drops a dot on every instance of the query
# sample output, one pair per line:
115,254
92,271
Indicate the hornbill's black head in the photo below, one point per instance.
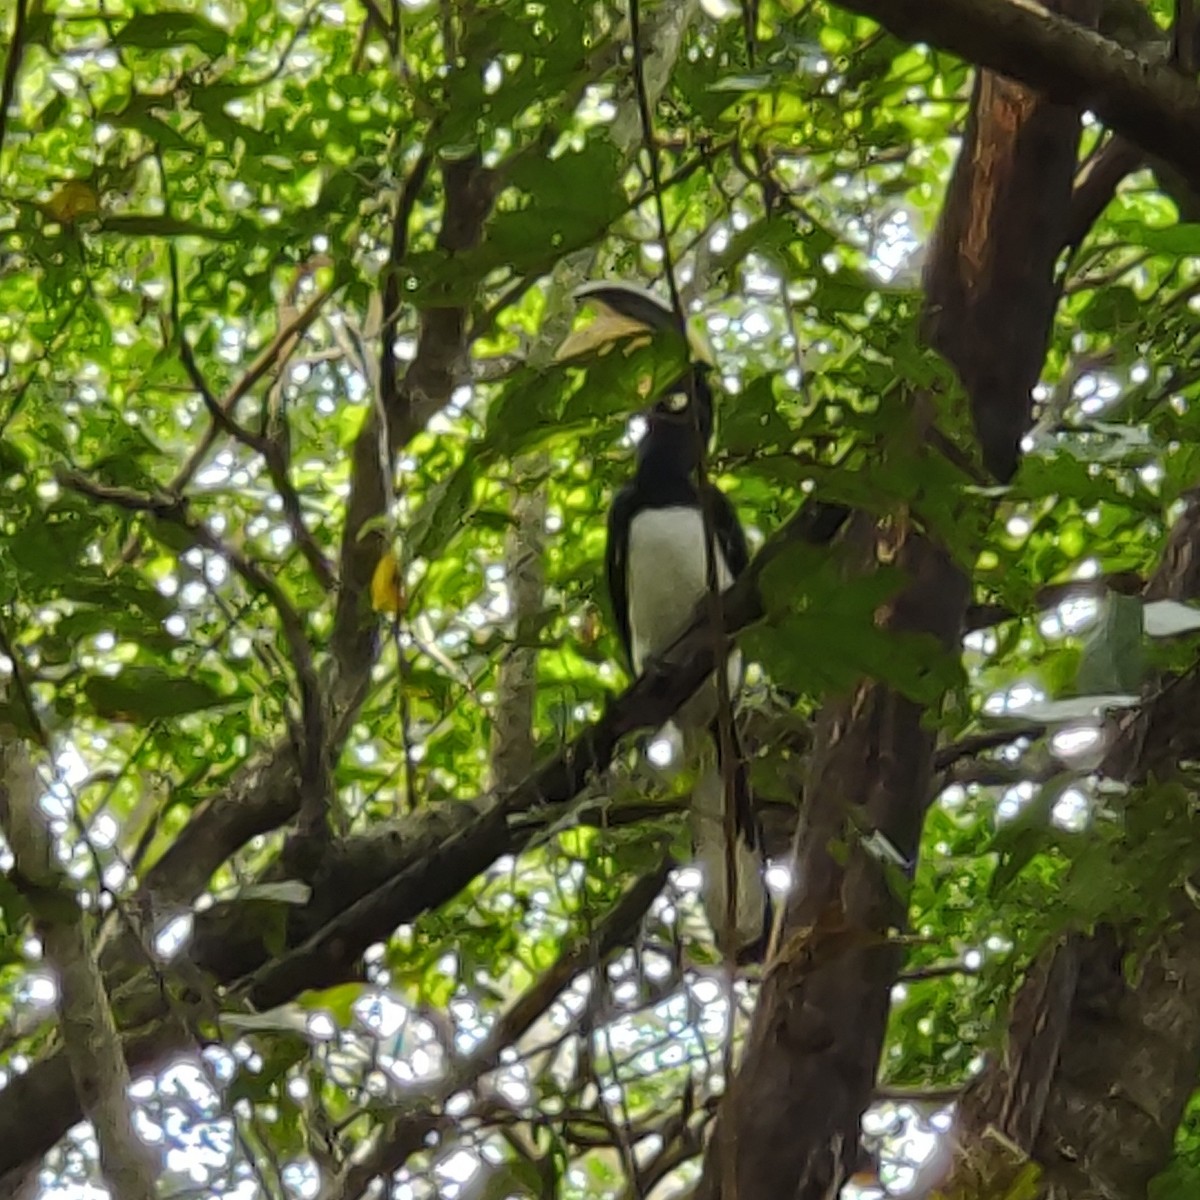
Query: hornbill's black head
680,422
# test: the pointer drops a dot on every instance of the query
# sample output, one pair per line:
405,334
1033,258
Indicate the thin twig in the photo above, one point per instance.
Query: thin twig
221,418
979,743
275,462
173,509
1096,184
716,615
947,970
254,372
1127,583
485,323
407,1132
24,690
715,606
918,1095
49,351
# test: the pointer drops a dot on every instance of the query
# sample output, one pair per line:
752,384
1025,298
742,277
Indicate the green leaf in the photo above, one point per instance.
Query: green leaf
514,1177
338,1001
1029,833
287,891
163,30
1182,239
1113,659
143,694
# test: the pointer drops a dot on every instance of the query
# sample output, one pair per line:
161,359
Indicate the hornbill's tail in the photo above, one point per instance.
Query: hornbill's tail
751,925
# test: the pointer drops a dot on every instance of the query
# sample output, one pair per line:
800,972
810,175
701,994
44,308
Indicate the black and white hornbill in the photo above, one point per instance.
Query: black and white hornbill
657,567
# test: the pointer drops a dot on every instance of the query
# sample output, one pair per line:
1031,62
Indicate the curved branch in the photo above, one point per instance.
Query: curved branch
1151,104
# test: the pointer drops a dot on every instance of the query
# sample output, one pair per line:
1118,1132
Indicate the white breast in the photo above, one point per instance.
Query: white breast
667,577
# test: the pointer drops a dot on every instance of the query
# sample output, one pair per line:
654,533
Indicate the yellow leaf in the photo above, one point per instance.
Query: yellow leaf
387,588
73,200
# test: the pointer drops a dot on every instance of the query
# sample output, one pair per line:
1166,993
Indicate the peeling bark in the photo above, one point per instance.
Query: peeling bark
990,281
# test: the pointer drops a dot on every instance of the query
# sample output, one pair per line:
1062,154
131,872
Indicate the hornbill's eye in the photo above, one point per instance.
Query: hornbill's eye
676,402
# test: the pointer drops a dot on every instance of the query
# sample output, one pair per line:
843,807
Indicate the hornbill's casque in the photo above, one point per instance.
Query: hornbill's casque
657,566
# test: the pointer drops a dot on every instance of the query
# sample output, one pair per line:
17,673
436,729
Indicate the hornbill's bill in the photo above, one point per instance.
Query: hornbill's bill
657,565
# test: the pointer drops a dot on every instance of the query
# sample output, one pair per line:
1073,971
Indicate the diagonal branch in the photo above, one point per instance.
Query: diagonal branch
264,794
666,683
430,859
285,339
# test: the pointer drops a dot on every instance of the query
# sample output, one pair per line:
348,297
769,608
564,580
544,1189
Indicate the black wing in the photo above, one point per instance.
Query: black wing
616,561
727,529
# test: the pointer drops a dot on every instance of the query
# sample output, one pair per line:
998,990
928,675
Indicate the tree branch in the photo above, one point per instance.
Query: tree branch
918,1095
89,1032
171,508
12,67
651,700
389,876
794,1108
979,743
282,343
1097,183
400,411
1153,105
274,459
405,1134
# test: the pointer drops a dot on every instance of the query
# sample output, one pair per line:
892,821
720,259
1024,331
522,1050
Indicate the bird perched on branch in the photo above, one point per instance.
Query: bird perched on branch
658,571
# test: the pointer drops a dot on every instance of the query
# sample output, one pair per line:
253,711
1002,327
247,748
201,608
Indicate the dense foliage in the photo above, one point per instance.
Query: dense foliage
199,256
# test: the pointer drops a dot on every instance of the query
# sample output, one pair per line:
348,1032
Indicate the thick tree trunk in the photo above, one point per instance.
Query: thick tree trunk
790,1124
1097,1070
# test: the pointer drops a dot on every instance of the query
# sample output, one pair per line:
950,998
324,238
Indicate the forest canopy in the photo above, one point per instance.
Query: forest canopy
341,855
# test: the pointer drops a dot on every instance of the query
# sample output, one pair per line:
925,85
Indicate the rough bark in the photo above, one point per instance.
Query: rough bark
266,792
1150,103
417,872
790,1124
1097,1070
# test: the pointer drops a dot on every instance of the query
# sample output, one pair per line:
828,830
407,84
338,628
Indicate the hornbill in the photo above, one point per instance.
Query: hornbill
657,568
